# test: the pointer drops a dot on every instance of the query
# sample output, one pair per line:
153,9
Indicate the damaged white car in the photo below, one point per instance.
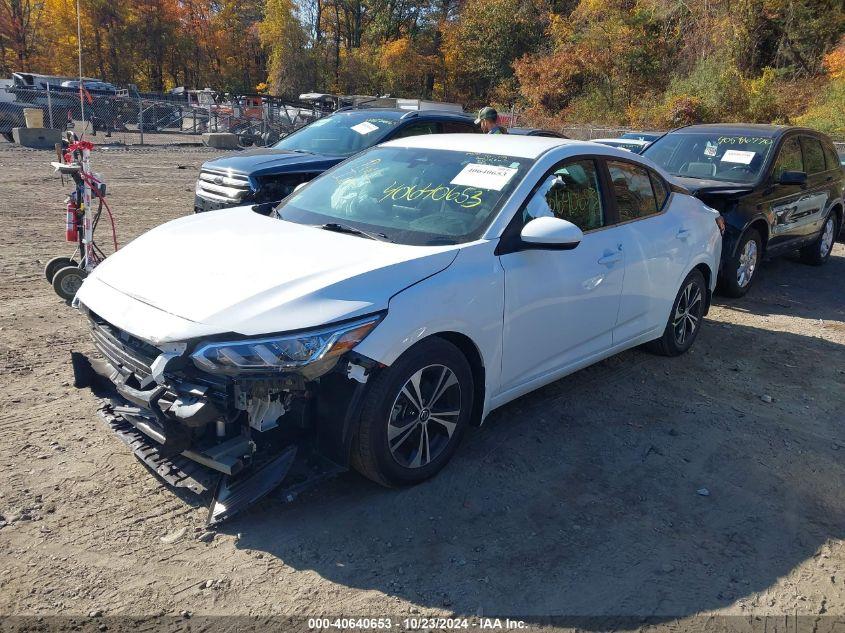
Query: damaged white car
385,307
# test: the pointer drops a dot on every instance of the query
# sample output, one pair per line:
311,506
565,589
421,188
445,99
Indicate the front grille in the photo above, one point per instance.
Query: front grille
122,349
221,186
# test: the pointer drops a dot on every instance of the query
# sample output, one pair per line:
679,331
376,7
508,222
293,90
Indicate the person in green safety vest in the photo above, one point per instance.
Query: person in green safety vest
488,119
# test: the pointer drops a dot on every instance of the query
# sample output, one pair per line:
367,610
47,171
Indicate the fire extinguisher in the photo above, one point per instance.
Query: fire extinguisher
71,221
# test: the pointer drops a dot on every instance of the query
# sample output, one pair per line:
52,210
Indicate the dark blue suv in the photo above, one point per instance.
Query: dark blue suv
262,177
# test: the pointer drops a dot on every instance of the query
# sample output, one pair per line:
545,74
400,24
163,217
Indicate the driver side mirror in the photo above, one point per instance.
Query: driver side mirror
793,178
550,233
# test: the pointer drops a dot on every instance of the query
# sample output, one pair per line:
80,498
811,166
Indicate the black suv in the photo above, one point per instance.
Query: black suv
262,177
778,188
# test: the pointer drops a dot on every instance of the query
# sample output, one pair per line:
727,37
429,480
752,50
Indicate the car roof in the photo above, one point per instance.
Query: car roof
625,141
518,146
399,113
758,129
533,131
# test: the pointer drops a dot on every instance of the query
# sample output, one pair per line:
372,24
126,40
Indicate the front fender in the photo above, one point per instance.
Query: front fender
466,298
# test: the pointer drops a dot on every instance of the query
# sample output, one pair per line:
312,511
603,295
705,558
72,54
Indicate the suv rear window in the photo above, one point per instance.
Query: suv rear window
813,154
831,158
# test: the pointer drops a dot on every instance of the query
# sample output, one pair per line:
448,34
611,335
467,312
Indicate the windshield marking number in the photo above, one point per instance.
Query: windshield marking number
468,197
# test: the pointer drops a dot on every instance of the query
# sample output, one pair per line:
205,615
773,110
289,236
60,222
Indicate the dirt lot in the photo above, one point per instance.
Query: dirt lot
580,500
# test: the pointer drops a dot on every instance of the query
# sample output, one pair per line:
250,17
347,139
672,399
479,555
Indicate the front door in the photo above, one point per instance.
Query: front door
794,210
561,306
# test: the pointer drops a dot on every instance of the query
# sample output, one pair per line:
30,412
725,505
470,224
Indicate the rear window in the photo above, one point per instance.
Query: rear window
661,191
831,158
632,189
813,154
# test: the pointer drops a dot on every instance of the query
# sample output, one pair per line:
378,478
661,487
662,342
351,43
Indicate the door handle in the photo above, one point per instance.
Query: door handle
609,260
682,234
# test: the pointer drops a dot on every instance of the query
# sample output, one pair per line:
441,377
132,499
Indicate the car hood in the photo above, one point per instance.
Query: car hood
235,271
254,160
706,185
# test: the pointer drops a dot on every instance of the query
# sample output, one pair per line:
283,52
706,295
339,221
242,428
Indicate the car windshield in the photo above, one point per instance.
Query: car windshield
409,196
341,134
724,157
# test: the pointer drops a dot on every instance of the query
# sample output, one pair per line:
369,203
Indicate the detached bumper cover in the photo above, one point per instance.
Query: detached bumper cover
176,470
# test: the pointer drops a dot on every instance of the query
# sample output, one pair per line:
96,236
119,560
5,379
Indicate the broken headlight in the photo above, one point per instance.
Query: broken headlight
313,352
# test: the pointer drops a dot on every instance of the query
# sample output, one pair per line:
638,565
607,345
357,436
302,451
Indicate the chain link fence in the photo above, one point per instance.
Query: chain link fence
134,118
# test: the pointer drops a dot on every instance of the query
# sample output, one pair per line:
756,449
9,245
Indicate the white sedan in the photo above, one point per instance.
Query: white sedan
395,300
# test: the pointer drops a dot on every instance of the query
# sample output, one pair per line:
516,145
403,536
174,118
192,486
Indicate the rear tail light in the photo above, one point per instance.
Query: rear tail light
720,222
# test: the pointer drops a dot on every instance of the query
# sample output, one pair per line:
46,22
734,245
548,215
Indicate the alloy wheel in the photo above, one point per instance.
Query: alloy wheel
747,264
826,242
424,416
687,314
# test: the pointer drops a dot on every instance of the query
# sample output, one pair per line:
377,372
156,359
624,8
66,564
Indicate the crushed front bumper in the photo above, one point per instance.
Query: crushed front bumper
192,433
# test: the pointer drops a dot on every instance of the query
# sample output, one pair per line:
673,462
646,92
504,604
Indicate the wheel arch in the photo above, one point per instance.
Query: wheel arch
476,362
705,270
762,227
840,213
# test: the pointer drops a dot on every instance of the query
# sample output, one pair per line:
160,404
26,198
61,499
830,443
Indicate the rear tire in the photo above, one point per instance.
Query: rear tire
819,251
740,270
66,281
56,264
414,415
685,319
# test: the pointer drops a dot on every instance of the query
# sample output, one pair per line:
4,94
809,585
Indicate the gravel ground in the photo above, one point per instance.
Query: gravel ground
642,486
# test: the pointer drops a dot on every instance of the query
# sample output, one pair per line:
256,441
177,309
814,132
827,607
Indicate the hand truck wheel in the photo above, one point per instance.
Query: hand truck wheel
66,281
56,264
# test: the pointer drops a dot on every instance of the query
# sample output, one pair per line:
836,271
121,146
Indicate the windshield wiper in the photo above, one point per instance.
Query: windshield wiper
351,230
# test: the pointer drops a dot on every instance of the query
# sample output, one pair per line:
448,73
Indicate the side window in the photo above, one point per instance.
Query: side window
789,158
570,192
417,129
661,191
831,158
632,188
456,127
813,154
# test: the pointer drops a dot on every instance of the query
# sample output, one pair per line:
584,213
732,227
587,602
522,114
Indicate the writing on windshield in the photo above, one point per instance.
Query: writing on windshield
413,196
727,158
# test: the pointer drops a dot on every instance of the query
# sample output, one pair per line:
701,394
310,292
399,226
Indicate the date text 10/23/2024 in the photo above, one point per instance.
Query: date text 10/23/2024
417,623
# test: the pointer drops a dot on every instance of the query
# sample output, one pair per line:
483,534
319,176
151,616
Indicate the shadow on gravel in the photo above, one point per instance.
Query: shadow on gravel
640,487
786,286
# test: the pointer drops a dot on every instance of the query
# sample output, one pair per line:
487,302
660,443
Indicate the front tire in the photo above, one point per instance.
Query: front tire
685,319
739,271
819,251
414,415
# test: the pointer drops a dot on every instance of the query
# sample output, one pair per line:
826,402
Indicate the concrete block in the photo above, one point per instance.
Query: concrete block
220,140
37,138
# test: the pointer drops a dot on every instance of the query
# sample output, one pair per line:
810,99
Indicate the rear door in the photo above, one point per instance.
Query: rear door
656,243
